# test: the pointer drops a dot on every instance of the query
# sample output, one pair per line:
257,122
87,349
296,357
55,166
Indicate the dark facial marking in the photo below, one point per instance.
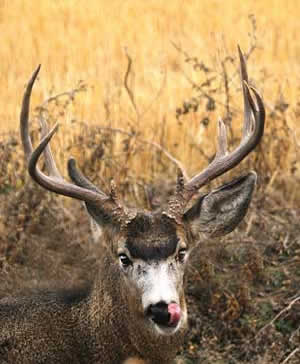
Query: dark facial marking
155,250
151,237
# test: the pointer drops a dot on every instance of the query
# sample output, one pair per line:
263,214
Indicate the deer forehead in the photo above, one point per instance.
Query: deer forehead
152,237
152,249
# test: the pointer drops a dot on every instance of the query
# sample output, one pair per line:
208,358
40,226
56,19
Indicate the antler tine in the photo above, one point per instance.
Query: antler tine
258,112
26,141
247,110
49,160
243,65
55,182
224,161
79,179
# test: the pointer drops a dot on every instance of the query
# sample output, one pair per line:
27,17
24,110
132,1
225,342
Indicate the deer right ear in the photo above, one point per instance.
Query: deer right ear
220,211
101,215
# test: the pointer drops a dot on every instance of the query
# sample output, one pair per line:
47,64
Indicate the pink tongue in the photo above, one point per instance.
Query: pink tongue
175,313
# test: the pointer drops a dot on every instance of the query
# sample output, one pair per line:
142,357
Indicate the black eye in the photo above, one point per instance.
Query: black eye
181,255
125,261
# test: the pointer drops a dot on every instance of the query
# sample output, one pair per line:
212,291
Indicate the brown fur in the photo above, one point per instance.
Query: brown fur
134,361
93,325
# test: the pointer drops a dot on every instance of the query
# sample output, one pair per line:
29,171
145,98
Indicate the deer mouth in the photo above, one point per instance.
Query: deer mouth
165,316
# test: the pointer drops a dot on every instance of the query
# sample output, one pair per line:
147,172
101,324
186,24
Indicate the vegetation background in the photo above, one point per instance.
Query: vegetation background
137,87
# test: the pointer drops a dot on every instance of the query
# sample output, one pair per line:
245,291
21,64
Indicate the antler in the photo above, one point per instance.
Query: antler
253,129
84,190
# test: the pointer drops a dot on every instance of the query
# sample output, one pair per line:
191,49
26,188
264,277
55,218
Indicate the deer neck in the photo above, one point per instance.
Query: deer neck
115,317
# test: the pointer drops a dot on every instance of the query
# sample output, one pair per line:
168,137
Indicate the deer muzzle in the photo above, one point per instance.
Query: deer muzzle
165,315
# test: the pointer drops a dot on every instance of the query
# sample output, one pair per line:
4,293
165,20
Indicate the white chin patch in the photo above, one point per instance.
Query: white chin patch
164,330
168,331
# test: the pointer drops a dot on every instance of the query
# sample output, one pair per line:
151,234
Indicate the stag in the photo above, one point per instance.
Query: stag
135,311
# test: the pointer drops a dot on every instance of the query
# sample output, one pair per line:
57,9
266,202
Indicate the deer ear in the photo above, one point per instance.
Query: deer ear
220,211
101,216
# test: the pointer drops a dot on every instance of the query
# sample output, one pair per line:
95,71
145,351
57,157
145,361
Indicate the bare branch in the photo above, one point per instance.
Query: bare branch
151,143
295,351
286,309
126,85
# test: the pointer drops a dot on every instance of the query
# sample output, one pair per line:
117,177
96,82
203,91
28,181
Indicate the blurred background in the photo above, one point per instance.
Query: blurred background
137,88
184,72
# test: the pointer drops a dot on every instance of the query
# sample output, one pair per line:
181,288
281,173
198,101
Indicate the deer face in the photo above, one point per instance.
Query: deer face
152,260
151,250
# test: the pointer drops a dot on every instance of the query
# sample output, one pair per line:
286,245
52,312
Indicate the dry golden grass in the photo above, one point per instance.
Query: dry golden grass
85,40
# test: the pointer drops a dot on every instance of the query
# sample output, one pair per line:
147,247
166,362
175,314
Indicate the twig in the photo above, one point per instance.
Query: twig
156,97
71,95
297,143
168,155
153,144
290,355
290,305
252,36
126,85
296,332
202,92
228,117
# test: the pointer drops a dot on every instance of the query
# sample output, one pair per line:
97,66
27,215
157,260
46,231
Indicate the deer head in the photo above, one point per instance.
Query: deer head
150,250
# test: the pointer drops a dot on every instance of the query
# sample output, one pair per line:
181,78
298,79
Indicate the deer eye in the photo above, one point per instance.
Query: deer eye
181,255
124,260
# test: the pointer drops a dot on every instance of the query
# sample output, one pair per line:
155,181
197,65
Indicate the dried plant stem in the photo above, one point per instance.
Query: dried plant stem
286,309
295,351
168,155
151,143
126,85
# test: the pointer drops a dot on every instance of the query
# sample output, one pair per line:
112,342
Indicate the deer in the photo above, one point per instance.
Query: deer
135,311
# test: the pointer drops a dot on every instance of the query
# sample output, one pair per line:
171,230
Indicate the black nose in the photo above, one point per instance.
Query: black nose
159,313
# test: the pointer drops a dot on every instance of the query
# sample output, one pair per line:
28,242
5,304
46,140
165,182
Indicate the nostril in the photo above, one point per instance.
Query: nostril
159,313
164,314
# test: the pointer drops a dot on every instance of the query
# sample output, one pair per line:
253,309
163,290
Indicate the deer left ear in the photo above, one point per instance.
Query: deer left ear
219,212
